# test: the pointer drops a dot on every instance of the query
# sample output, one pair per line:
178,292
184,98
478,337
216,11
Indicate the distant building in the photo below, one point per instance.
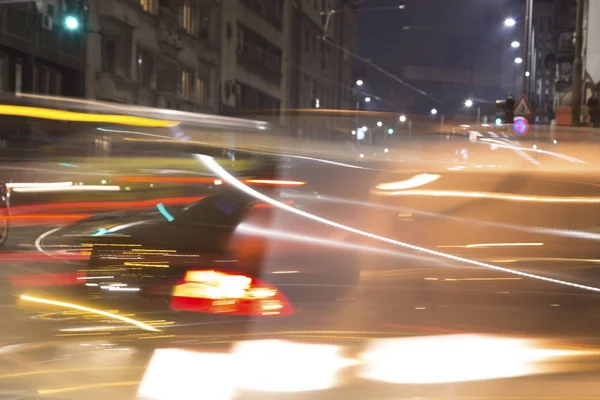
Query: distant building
155,53
37,55
321,64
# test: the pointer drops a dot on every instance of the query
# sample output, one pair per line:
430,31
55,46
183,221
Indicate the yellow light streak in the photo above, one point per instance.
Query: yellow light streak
415,181
131,321
61,115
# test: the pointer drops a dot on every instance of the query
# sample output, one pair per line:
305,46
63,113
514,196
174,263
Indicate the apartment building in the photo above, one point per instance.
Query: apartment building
37,54
155,53
255,50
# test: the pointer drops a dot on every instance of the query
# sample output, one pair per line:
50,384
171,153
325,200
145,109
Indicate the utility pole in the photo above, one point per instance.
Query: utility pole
527,44
578,67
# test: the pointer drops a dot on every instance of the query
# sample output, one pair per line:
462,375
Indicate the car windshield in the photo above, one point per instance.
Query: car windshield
289,199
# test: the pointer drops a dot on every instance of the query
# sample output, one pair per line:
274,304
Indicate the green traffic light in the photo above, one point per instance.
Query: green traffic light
71,22
390,131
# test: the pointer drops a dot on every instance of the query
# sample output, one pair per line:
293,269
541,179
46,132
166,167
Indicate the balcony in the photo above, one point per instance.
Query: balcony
270,10
252,59
566,48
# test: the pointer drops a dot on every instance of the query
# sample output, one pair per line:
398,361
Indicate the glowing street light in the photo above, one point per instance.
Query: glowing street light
527,74
469,103
434,111
518,60
353,132
367,99
402,118
379,124
515,44
510,22
359,82
364,128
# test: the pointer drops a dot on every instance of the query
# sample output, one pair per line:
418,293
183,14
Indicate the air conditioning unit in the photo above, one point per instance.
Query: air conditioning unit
47,22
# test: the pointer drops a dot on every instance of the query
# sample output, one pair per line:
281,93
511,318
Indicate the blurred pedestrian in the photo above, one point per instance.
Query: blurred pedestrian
594,110
509,109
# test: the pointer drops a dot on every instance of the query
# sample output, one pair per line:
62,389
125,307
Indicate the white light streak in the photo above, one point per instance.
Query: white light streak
223,174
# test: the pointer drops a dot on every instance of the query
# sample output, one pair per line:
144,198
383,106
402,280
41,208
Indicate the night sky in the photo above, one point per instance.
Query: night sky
456,34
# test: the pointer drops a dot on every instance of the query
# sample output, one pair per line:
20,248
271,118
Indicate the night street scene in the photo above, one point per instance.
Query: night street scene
299,199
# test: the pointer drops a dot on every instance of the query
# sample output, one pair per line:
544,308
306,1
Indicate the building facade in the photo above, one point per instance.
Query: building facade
255,50
37,54
321,67
156,53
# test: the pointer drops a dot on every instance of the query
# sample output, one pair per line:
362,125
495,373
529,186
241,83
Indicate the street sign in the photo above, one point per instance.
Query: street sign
520,126
523,107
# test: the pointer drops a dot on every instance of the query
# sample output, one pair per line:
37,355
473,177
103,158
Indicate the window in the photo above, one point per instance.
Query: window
187,87
56,82
144,68
200,91
147,5
108,54
188,22
44,81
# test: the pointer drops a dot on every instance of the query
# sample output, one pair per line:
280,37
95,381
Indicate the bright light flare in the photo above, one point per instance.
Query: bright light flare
415,181
455,358
175,374
434,111
515,44
402,118
510,22
469,103
282,366
518,60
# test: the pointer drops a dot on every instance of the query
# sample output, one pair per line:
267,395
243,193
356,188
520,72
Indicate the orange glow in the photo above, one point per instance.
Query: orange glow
167,179
46,217
274,182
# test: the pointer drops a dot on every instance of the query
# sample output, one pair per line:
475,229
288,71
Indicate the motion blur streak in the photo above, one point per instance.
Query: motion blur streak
90,310
319,241
502,144
59,115
38,184
85,387
282,366
535,229
493,196
106,205
274,182
457,358
485,245
79,188
212,165
415,181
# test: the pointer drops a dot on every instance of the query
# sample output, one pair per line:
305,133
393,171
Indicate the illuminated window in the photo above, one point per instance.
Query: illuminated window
200,91
189,18
187,85
147,5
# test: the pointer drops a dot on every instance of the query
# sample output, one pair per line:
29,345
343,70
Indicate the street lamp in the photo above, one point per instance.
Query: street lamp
527,74
515,44
353,132
518,60
510,22
364,128
367,99
71,22
379,124
402,118
433,111
359,82
469,103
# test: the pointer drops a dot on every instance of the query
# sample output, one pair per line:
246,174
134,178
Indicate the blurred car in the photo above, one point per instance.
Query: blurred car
4,204
225,253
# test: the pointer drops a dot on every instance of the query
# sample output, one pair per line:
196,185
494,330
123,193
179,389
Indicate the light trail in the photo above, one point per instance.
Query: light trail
107,314
211,164
492,196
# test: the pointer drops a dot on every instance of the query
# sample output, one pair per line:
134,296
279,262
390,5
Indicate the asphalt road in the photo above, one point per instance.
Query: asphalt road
47,352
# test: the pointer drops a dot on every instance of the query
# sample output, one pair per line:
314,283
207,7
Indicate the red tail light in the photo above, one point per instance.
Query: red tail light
220,292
